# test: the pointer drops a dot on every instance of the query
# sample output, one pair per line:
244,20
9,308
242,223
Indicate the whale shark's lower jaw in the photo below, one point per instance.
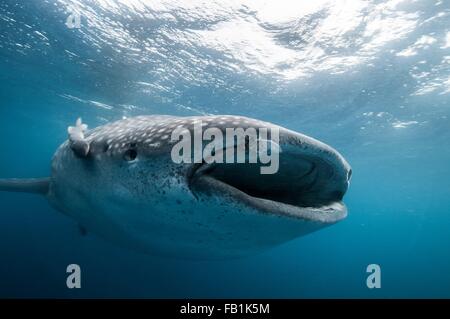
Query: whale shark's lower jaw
330,212
307,186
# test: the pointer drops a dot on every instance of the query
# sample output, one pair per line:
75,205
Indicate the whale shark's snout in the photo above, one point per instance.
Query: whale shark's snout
121,181
310,183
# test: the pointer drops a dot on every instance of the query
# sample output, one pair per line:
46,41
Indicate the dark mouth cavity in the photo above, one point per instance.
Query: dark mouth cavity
300,181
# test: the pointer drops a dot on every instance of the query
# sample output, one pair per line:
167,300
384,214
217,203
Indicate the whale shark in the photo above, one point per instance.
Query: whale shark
118,181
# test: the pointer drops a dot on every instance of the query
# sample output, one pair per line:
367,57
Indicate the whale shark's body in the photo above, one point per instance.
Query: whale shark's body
119,181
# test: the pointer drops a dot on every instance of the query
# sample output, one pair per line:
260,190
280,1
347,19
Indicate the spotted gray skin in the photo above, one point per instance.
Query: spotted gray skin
124,186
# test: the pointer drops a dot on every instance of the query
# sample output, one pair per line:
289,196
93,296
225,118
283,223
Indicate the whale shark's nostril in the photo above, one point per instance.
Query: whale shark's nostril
349,174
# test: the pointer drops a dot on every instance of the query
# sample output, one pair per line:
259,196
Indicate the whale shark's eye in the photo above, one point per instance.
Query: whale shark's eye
130,155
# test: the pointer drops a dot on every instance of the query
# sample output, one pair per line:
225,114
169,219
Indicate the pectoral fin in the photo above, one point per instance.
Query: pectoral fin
82,230
27,185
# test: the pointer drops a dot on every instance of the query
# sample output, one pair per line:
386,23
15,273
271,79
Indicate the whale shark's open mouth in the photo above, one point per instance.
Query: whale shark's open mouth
304,187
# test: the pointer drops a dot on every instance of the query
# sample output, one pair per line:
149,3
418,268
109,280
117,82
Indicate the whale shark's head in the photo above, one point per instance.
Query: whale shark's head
120,180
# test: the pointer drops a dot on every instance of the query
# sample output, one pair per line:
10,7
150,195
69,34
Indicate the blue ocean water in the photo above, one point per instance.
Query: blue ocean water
370,78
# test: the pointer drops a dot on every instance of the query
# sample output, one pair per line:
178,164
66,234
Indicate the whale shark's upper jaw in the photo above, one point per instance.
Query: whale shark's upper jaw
310,184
